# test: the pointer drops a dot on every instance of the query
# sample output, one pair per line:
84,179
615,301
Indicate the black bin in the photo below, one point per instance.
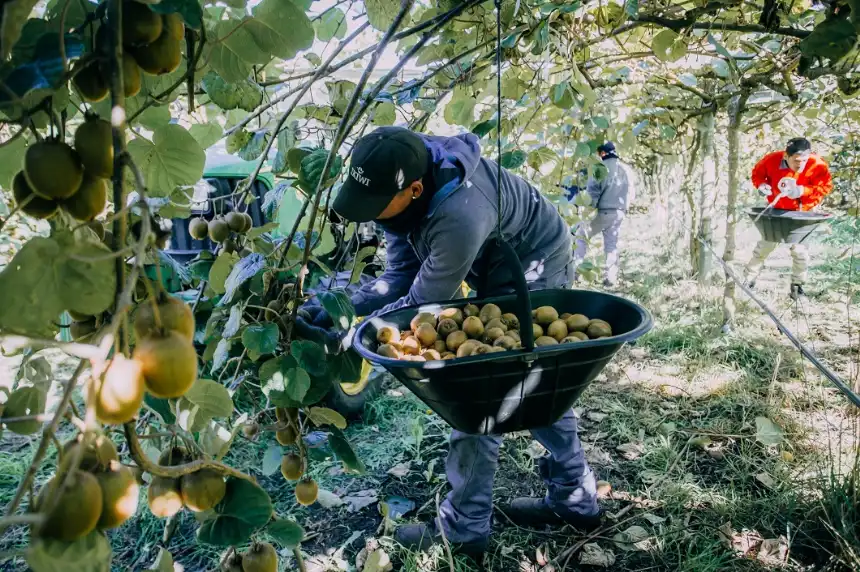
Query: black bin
777,225
514,390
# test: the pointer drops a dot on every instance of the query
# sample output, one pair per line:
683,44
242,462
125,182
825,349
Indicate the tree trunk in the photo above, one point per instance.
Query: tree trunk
703,265
687,190
736,111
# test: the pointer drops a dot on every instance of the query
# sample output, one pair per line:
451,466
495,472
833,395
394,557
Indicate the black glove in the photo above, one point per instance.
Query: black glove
319,317
323,336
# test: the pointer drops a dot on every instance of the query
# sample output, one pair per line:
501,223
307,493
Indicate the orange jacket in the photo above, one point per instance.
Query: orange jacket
815,180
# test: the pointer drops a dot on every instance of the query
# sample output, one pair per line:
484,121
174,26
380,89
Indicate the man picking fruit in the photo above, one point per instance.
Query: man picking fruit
437,200
792,180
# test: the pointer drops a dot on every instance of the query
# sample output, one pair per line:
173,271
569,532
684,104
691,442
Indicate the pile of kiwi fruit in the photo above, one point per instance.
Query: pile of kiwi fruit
457,333
57,176
99,494
151,42
227,230
198,491
261,557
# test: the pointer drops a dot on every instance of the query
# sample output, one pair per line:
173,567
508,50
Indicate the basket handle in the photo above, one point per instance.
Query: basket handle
523,304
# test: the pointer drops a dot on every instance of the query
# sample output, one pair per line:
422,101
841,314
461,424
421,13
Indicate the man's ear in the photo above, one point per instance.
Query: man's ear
417,188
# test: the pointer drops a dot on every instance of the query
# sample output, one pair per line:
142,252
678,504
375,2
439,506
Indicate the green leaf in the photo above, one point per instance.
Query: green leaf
14,16
22,402
163,562
339,307
220,270
190,11
261,338
237,141
339,94
600,122
279,28
161,407
309,355
384,113
273,374
11,161
381,13
833,38
767,432
253,149
632,8
324,416
223,55
721,49
245,508
312,166
172,159
286,141
582,150
48,276
211,397
484,127
206,134
668,46
272,459
460,110
332,24
561,95
285,532
348,366
341,447
540,156
513,159
92,553
155,116
297,382
244,94
295,156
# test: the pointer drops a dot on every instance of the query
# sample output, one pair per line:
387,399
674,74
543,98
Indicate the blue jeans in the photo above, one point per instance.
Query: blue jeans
472,461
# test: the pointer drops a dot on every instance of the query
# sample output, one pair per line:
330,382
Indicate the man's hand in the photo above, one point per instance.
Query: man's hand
323,336
790,188
765,189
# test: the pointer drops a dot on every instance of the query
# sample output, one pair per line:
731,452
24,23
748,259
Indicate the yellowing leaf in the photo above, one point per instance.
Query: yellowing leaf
325,416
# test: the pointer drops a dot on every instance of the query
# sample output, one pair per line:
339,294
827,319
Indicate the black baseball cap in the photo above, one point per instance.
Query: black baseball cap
608,147
384,162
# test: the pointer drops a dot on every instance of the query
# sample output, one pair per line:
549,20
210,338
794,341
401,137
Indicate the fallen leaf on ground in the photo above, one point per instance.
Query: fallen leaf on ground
767,432
400,470
593,555
362,499
634,538
773,551
766,480
603,488
598,457
535,450
631,451
596,416
653,518
378,561
328,499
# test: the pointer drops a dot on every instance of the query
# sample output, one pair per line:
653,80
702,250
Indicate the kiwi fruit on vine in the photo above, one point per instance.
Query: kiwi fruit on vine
273,310
287,436
202,490
173,25
77,510
557,330
90,200
235,221
292,467
35,206
229,246
599,329
119,392
120,494
97,227
249,222
169,364
473,326
91,83
262,557
163,497
307,492
387,334
175,315
131,80
387,350
219,231
140,25
467,348
489,312
455,314
53,169
426,334
96,456
94,144
251,429
198,228
160,56
455,340
546,315
511,321
446,326
173,456
422,318
82,330
546,341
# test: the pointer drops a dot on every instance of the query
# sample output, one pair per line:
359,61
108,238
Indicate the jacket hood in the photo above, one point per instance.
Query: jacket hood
454,160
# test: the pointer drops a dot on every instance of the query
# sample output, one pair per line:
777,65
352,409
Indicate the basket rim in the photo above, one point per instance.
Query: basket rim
815,216
645,324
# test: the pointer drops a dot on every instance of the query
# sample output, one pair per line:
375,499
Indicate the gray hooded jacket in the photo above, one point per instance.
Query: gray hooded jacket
447,247
613,186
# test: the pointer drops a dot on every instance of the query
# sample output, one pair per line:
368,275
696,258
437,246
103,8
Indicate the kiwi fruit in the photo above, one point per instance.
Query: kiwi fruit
496,323
471,310
175,315
173,25
249,222
202,490
506,342
90,200
307,492
473,326
577,323
198,228
387,350
515,335
131,80
546,341
287,436
251,429
163,497
455,314
160,57
91,83
35,206
292,467
545,315
53,170
120,494
140,25
235,221
261,557
449,355
537,331
119,392
482,349
411,346
492,334
557,330
97,227
565,316
94,144
273,310
423,318
467,348
407,357
489,312
511,321
431,355
426,334
77,509
440,345
581,335
229,246
97,455
387,334
169,364
219,230
455,340
570,339
446,326
173,456
598,329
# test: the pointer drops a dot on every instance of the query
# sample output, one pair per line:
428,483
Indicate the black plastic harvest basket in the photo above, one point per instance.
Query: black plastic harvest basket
510,391
777,225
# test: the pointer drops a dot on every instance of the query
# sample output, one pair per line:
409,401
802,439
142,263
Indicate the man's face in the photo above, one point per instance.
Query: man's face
402,200
797,161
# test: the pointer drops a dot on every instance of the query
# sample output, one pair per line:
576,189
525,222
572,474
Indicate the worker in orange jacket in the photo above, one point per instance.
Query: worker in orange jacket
794,180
